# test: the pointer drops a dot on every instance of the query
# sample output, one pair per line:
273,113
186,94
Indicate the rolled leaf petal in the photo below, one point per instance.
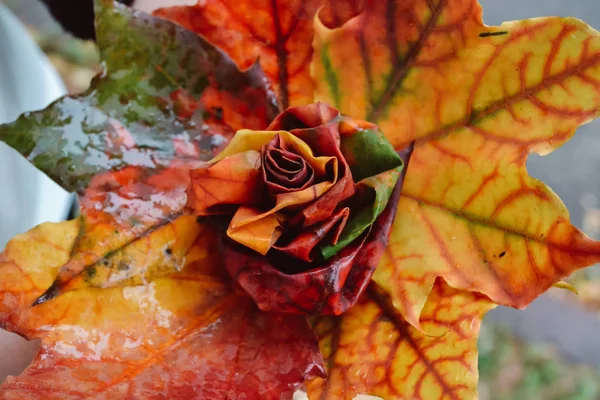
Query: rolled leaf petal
291,285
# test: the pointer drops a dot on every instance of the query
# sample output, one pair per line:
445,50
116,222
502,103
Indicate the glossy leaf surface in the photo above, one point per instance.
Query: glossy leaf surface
477,100
129,117
166,100
187,335
372,349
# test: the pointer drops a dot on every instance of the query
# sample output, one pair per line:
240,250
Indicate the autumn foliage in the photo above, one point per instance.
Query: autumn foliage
413,121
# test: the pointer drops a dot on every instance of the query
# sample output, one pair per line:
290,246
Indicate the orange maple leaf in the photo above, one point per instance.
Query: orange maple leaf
188,335
469,212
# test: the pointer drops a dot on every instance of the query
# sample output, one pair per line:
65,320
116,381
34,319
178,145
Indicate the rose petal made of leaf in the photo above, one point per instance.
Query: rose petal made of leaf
477,100
248,140
318,125
304,243
236,179
321,163
187,335
284,170
259,235
239,166
283,284
367,152
248,225
378,190
310,292
372,350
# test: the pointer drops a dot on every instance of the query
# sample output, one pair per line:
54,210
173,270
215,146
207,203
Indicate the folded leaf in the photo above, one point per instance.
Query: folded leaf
366,150
187,335
377,191
372,350
318,126
304,245
477,100
127,145
254,229
239,173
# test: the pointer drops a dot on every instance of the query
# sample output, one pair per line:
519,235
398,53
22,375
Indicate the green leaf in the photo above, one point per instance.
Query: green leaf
377,166
369,153
374,193
130,115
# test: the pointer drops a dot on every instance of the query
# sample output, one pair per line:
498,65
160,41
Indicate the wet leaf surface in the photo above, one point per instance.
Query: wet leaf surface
137,111
189,334
165,101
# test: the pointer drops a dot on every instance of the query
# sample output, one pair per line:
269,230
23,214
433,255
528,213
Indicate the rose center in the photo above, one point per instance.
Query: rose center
286,171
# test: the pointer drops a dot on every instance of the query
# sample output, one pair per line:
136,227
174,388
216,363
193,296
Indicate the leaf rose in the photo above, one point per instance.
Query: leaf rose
307,207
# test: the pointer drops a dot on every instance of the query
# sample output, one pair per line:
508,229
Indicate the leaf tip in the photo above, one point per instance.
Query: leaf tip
566,286
48,295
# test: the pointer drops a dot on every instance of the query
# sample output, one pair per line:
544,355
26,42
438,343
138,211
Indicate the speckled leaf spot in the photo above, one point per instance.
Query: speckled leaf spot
469,212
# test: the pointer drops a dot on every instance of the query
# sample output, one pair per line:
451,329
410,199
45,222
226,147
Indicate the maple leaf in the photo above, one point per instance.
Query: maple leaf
187,335
372,349
472,228
165,101
469,212
276,33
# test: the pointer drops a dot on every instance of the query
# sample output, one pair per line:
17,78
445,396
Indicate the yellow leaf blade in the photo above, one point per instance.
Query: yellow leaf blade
183,333
477,100
373,350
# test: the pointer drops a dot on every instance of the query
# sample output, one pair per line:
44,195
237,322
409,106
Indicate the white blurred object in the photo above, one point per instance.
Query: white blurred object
299,395
27,82
151,5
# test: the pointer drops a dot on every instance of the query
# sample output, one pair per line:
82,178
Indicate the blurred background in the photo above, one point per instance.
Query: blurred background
551,351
